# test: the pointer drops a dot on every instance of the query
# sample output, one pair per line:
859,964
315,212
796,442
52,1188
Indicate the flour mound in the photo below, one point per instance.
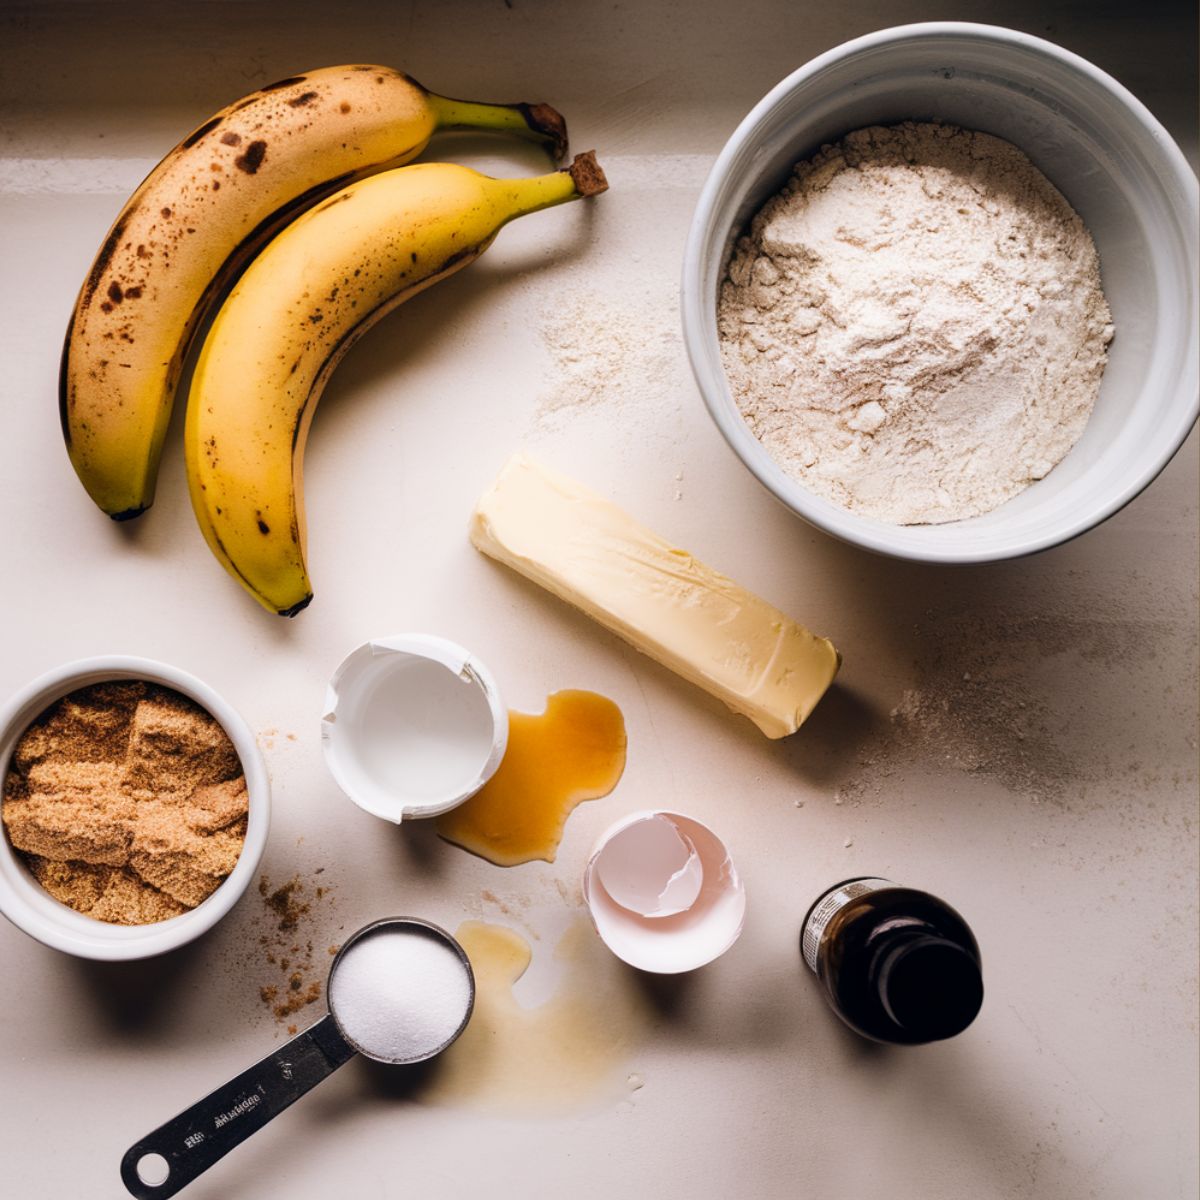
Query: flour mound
915,327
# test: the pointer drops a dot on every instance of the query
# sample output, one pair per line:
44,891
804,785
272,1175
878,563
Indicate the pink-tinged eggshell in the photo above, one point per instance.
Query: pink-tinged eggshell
650,868
663,893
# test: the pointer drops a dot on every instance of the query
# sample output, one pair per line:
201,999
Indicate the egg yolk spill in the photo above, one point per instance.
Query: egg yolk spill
572,752
567,1053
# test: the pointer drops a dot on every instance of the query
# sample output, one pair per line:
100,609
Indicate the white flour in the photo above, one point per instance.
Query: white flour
914,327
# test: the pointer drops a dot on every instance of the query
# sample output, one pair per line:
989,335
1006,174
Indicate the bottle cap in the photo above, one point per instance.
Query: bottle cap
931,987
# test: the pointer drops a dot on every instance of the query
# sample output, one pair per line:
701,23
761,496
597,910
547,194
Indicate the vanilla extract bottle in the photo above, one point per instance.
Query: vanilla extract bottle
896,964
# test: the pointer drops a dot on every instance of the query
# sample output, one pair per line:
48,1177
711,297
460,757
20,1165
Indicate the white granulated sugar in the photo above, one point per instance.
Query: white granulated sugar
399,994
914,328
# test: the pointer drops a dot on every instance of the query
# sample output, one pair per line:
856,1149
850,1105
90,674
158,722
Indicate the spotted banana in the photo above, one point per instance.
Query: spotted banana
316,288
197,219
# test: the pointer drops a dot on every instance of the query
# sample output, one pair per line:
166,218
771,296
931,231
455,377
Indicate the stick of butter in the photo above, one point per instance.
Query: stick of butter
685,615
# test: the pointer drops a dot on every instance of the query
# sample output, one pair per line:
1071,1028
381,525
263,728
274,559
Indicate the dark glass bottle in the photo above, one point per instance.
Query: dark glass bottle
897,965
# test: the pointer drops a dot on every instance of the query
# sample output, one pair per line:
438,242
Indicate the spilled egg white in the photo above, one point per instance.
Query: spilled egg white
663,892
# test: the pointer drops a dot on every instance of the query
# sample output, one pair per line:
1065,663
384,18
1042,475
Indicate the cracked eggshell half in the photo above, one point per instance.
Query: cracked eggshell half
413,725
663,893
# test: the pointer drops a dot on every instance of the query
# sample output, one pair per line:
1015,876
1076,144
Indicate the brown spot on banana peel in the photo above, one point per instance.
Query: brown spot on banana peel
282,83
105,257
193,137
231,139
303,99
339,199
252,158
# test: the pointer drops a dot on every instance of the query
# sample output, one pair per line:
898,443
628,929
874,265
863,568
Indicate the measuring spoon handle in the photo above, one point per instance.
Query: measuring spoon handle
199,1136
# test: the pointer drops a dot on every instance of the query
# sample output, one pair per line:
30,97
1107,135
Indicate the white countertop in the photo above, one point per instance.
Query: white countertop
1020,738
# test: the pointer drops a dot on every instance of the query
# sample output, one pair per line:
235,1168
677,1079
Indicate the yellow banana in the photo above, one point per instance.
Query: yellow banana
200,216
317,287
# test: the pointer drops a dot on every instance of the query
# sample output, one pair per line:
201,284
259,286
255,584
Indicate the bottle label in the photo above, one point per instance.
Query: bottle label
827,908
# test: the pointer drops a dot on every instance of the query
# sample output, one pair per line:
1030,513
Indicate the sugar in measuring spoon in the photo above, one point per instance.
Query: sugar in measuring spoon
400,991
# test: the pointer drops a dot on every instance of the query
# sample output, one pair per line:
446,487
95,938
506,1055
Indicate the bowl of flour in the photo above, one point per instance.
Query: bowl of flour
940,293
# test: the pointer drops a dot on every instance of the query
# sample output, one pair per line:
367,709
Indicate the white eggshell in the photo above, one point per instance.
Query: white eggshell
659,861
413,725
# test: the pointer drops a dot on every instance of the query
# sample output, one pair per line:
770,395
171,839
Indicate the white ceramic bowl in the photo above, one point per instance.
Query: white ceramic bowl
1104,151
23,900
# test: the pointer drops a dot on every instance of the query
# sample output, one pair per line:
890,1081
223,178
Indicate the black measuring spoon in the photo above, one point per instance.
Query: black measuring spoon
382,1017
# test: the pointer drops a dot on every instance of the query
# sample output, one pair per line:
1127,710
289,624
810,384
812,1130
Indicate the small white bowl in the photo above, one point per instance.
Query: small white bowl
413,726
1099,146
28,906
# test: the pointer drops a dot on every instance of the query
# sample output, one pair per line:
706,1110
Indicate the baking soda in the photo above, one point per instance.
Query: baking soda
400,993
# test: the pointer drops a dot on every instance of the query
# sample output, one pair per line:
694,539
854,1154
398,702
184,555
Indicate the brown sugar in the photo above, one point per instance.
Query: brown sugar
217,805
176,859
127,802
129,900
78,827
176,747
77,884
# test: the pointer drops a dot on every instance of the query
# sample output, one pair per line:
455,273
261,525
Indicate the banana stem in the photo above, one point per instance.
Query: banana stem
537,121
582,178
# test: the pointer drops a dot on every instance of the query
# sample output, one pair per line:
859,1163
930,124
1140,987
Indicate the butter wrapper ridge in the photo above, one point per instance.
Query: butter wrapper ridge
660,599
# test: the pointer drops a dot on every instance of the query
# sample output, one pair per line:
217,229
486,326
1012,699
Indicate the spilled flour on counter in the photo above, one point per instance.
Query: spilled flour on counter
1034,703
915,327
618,355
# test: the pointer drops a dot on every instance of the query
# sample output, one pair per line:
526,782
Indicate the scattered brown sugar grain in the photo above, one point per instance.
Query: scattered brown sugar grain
284,901
127,801
290,955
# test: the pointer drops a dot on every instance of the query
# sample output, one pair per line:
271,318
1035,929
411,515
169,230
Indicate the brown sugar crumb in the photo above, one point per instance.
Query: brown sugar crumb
126,801
298,981
72,826
175,746
128,900
89,724
298,997
76,884
218,805
179,861
284,902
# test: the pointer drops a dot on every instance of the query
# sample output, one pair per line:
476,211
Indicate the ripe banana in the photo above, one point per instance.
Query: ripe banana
199,216
315,289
